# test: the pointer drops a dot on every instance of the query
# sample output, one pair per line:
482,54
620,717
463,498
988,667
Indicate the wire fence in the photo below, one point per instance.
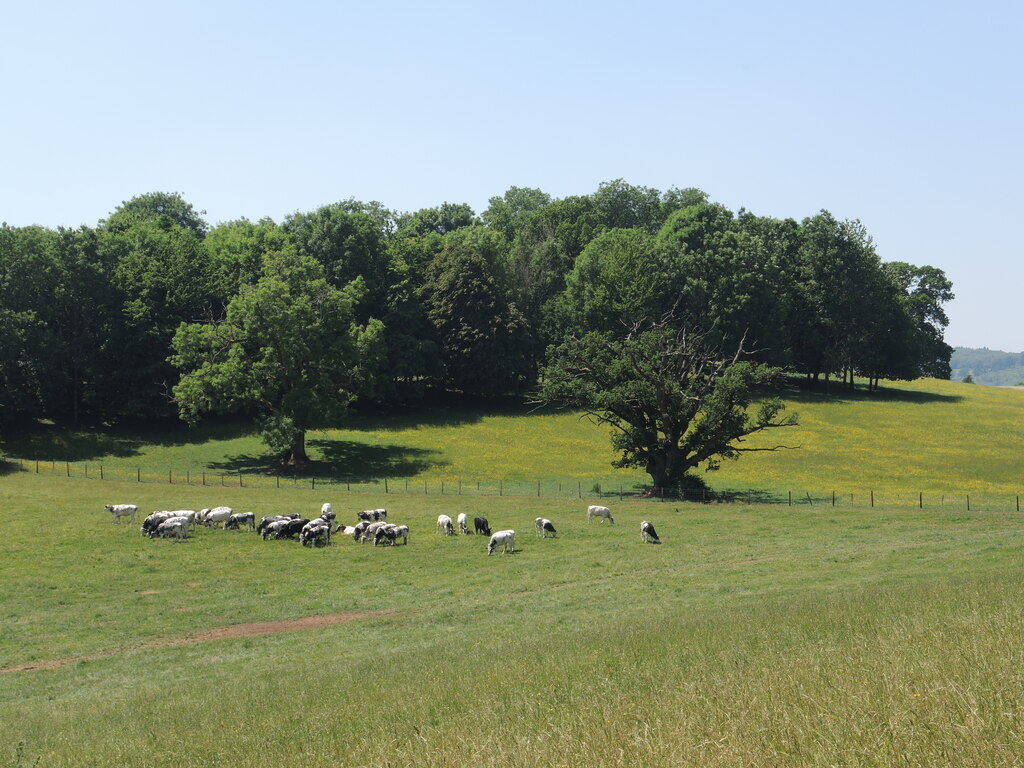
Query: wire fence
564,488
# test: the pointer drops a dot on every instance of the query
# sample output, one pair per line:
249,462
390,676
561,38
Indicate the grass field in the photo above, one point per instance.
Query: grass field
943,439
755,635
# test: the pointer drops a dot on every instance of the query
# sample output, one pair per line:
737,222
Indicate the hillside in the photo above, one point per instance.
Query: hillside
987,366
926,436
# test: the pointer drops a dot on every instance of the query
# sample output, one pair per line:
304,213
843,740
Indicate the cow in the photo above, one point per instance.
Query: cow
648,534
600,512
482,526
445,526
544,527
504,539
118,511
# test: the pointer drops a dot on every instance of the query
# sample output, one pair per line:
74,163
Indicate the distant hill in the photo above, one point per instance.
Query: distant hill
987,366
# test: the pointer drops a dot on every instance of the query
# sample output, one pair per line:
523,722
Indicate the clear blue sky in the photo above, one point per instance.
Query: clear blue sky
907,116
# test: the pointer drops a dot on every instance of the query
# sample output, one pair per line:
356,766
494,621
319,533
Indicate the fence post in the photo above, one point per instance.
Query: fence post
313,482
791,498
188,477
278,479
538,490
1018,503
138,474
579,488
67,466
101,477
501,487
239,478
833,498
170,481
460,487
385,485
968,502
872,499
920,500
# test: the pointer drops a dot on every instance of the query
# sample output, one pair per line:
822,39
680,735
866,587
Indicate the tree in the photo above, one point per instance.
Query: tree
288,350
162,209
350,240
482,337
673,402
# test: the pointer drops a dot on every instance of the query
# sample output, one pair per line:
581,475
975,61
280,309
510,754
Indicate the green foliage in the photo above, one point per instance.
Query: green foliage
673,402
288,349
164,210
483,339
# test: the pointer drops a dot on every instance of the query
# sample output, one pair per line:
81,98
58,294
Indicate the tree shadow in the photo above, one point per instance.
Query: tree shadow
9,468
343,460
448,409
56,442
798,390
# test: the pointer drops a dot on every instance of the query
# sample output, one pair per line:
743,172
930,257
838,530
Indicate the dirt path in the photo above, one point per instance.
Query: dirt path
253,629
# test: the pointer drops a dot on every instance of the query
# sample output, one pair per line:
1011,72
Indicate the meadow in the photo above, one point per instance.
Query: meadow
755,635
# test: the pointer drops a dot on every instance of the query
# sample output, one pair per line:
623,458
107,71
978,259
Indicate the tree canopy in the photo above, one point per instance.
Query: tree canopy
146,314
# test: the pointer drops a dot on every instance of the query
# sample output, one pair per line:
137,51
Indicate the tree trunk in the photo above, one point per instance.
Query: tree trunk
297,455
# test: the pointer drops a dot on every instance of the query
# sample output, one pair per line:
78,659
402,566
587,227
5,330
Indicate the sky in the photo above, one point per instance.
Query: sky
908,116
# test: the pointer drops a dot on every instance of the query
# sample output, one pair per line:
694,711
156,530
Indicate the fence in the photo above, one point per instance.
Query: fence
565,488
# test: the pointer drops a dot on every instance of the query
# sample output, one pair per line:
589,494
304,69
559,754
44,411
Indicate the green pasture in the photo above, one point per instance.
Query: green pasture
943,440
762,635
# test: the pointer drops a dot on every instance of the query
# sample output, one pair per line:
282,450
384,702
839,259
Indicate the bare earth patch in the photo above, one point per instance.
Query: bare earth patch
252,629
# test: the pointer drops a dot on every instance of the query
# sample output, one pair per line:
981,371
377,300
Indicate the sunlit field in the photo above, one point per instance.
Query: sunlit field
940,439
755,634
763,635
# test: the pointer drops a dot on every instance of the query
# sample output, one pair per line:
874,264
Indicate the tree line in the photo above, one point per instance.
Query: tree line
153,312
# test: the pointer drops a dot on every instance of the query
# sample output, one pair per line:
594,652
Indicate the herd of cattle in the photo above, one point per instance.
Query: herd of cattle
373,525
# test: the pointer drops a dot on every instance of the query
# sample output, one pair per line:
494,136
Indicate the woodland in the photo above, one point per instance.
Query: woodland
153,313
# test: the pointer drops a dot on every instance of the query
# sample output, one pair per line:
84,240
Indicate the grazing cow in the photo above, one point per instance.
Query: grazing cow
372,514
544,527
315,533
235,522
265,521
176,526
210,517
370,532
402,532
358,530
385,535
482,526
600,512
504,539
648,534
445,526
152,522
463,528
121,510
292,528
273,529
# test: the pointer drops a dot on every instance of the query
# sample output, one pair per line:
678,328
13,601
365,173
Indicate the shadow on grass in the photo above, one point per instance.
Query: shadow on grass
9,468
53,442
798,390
341,460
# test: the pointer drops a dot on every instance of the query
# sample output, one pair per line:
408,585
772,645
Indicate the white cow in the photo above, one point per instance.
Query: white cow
544,527
648,534
463,523
504,539
445,526
603,513
215,515
121,510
